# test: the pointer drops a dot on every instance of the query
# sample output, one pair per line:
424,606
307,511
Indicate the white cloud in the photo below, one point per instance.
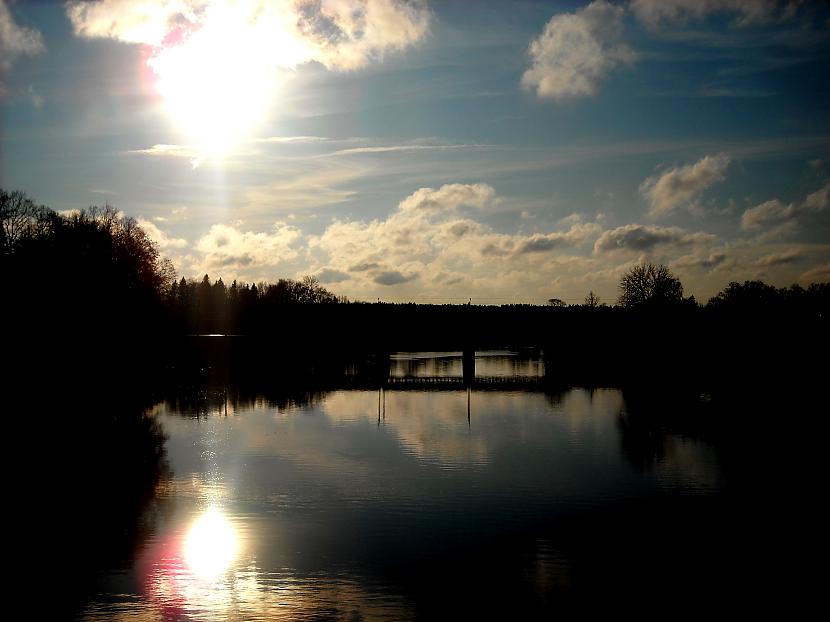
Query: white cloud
132,22
431,242
747,12
576,51
647,239
158,236
448,197
225,248
167,151
285,33
681,188
16,40
193,154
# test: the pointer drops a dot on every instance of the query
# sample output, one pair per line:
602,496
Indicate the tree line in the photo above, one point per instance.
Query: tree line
649,285
201,306
95,269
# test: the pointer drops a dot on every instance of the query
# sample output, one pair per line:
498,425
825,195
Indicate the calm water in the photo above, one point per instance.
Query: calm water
361,505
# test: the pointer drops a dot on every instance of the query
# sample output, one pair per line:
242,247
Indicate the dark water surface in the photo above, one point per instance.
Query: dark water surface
401,504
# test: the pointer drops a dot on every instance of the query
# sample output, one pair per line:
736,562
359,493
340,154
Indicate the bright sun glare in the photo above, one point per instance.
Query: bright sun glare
217,80
210,545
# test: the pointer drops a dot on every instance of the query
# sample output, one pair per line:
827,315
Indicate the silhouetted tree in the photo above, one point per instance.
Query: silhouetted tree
649,284
591,300
556,302
20,219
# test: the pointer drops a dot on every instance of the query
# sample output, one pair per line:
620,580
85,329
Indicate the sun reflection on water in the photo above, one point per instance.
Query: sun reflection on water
210,545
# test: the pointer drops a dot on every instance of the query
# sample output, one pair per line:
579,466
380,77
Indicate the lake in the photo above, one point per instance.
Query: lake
425,502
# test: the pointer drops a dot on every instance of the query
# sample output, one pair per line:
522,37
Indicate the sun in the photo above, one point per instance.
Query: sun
218,78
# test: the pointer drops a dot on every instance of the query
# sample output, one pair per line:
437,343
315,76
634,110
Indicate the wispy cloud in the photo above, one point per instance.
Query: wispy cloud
281,140
403,148
780,259
747,12
194,154
16,40
167,151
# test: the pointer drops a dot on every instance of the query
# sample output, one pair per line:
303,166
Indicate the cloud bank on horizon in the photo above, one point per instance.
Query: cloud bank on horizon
426,151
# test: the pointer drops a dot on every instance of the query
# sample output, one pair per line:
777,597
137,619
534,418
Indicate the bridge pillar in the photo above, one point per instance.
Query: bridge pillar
468,366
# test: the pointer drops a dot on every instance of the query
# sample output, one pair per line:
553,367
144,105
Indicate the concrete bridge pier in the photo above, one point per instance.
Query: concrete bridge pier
468,366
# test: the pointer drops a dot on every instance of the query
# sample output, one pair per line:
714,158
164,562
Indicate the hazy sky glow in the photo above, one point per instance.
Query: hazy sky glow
434,151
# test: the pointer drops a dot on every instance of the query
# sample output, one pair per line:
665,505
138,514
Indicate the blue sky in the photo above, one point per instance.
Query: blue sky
434,151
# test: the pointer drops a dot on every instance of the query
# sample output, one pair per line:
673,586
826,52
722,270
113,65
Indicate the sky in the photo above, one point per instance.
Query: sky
499,151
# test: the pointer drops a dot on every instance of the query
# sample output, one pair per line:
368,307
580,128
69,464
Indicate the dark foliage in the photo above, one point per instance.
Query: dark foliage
649,284
201,307
82,305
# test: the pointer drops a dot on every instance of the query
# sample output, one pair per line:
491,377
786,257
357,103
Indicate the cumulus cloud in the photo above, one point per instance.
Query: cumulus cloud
426,226
747,12
682,187
429,237
16,40
774,213
576,51
644,239
164,241
285,33
576,235
226,248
